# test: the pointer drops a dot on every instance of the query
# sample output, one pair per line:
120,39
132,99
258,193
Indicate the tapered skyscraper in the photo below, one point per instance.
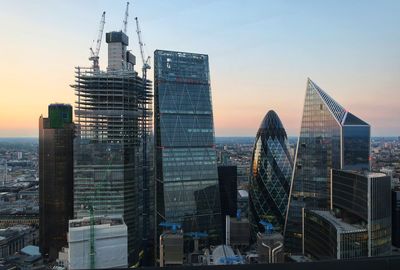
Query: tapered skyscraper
330,138
271,172
186,161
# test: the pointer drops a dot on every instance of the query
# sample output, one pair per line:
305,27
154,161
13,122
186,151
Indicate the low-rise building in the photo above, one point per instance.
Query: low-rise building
109,237
15,238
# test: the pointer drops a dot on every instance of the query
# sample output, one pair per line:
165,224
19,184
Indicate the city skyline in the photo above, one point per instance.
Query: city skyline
260,56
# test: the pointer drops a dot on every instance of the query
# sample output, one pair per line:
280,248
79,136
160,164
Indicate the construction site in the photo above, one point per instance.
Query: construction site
113,143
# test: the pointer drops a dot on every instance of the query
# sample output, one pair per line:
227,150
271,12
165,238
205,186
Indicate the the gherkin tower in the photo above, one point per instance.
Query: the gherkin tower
271,171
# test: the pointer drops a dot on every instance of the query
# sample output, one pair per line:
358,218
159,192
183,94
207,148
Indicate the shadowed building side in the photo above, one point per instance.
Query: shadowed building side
55,178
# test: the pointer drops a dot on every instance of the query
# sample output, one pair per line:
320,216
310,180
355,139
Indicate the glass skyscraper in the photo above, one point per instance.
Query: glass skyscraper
271,172
187,189
358,223
365,197
330,138
56,135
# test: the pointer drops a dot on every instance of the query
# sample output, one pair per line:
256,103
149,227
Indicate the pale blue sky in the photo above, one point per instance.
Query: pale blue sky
261,53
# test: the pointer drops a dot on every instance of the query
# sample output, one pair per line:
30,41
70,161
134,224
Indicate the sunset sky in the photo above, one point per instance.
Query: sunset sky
261,53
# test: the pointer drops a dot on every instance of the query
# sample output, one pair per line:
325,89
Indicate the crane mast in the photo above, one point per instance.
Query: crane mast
145,129
145,61
94,57
125,21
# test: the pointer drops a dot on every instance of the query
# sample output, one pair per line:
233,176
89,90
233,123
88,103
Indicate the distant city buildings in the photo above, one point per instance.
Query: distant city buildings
14,238
28,257
187,190
131,199
330,138
271,172
56,134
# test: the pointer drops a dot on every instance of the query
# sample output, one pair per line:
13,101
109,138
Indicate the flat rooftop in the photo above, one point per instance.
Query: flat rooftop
338,223
375,174
98,220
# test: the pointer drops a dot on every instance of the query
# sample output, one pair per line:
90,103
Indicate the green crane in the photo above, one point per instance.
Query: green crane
92,251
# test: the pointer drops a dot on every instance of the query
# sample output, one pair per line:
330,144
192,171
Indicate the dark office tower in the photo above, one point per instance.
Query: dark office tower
227,178
327,237
55,178
108,167
364,198
396,217
330,137
186,161
271,172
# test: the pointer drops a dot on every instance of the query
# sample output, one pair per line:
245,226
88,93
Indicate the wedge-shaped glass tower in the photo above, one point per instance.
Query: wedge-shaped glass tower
186,160
330,137
271,172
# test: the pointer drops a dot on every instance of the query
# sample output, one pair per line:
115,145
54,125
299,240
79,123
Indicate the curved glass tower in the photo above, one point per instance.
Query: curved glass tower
271,171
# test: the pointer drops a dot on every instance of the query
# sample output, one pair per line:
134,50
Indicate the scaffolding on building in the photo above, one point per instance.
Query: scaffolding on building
114,115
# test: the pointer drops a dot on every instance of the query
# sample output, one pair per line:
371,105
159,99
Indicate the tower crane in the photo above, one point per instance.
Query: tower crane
145,128
94,55
125,21
145,61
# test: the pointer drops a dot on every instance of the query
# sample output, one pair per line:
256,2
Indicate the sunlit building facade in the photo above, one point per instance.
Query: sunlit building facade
271,172
186,161
330,138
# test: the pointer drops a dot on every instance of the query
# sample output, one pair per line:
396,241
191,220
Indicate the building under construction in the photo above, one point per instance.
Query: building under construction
112,155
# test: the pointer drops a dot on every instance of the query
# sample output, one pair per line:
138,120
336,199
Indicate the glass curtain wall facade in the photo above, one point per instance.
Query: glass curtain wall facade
396,217
380,215
330,137
271,172
327,237
56,135
365,199
186,163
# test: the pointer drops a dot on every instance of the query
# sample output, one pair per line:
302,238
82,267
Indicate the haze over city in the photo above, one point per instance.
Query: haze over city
261,53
